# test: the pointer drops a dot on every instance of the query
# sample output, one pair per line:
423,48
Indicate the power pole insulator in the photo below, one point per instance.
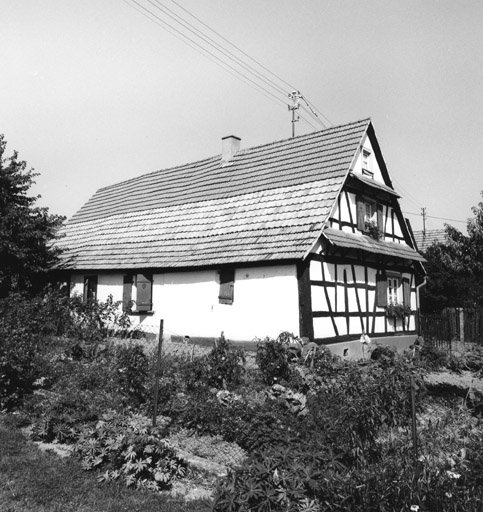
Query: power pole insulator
295,97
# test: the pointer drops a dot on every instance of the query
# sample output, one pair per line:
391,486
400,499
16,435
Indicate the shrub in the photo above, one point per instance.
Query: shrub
273,360
131,369
225,365
129,450
383,351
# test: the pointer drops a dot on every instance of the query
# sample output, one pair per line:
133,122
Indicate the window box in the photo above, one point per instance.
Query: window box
398,310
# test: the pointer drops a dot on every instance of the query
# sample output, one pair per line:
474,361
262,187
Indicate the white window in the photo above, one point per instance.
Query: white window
370,212
393,287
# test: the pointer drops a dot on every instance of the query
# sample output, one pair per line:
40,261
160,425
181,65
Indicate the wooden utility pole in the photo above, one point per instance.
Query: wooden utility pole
423,213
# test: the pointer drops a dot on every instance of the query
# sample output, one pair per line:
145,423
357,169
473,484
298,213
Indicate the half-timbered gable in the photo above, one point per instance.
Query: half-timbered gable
304,235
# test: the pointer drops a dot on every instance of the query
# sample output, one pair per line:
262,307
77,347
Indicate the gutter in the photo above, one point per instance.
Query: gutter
424,283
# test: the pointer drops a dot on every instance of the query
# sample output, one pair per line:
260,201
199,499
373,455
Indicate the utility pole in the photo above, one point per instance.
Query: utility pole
423,213
295,97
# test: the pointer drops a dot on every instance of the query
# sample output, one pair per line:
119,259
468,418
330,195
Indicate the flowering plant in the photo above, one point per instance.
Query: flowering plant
397,310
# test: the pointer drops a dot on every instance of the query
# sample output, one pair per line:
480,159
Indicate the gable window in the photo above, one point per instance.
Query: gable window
366,163
90,287
137,295
227,286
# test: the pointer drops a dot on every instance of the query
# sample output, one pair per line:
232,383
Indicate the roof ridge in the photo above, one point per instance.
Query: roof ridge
240,152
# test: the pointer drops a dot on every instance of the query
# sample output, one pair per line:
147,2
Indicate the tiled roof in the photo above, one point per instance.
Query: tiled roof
366,243
424,239
267,203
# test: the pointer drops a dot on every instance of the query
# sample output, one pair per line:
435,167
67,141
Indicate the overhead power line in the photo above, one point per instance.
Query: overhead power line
438,218
271,85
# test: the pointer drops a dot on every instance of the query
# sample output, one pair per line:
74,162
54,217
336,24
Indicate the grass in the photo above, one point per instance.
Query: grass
32,480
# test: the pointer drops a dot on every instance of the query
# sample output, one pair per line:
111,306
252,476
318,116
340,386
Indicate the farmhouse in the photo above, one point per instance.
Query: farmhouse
304,235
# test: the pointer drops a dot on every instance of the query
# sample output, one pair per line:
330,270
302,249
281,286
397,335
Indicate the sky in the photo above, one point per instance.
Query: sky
94,92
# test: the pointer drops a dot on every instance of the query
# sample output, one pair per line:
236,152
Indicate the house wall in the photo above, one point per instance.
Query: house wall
343,299
265,302
343,283
344,217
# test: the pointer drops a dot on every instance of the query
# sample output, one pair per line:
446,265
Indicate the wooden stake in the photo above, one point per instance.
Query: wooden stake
158,368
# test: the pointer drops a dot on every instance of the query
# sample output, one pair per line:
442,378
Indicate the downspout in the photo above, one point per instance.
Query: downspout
425,280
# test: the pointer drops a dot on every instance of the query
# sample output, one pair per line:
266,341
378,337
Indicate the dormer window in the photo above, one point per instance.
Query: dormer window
366,163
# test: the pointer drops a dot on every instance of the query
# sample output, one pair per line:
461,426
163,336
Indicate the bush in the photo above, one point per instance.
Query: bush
273,360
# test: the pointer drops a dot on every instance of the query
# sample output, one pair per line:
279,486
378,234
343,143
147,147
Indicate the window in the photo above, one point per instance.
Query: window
369,211
227,285
137,293
393,290
366,161
90,287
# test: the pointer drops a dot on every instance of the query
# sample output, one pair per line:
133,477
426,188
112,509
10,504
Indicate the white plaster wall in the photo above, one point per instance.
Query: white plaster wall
265,302
357,168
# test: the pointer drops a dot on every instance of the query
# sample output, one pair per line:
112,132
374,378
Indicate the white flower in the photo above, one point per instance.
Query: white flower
451,474
414,508
448,494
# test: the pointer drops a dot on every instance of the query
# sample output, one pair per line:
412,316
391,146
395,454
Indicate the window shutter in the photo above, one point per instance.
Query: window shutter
406,292
227,285
361,214
381,290
127,292
144,292
380,219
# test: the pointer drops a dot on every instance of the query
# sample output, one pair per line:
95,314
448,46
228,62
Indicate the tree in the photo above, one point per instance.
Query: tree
27,232
455,268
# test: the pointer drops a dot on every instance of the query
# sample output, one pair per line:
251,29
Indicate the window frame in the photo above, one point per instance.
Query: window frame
91,283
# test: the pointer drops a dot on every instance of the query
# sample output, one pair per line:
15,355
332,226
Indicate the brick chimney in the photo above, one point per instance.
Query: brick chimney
229,146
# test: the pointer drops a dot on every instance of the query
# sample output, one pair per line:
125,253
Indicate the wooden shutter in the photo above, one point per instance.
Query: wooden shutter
227,286
361,214
127,293
381,290
380,219
144,292
406,291
90,287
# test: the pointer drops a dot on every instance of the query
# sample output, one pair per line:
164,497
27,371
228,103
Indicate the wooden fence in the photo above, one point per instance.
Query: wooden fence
453,324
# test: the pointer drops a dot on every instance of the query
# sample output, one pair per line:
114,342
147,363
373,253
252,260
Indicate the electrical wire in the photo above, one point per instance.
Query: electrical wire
211,42
241,75
234,46
438,218
184,38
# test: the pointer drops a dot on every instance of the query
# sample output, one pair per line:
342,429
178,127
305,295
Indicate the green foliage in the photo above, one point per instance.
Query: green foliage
26,231
61,417
398,310
225,365
383,351
455,268
283,478
129,450
36,334
273,360
131,367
